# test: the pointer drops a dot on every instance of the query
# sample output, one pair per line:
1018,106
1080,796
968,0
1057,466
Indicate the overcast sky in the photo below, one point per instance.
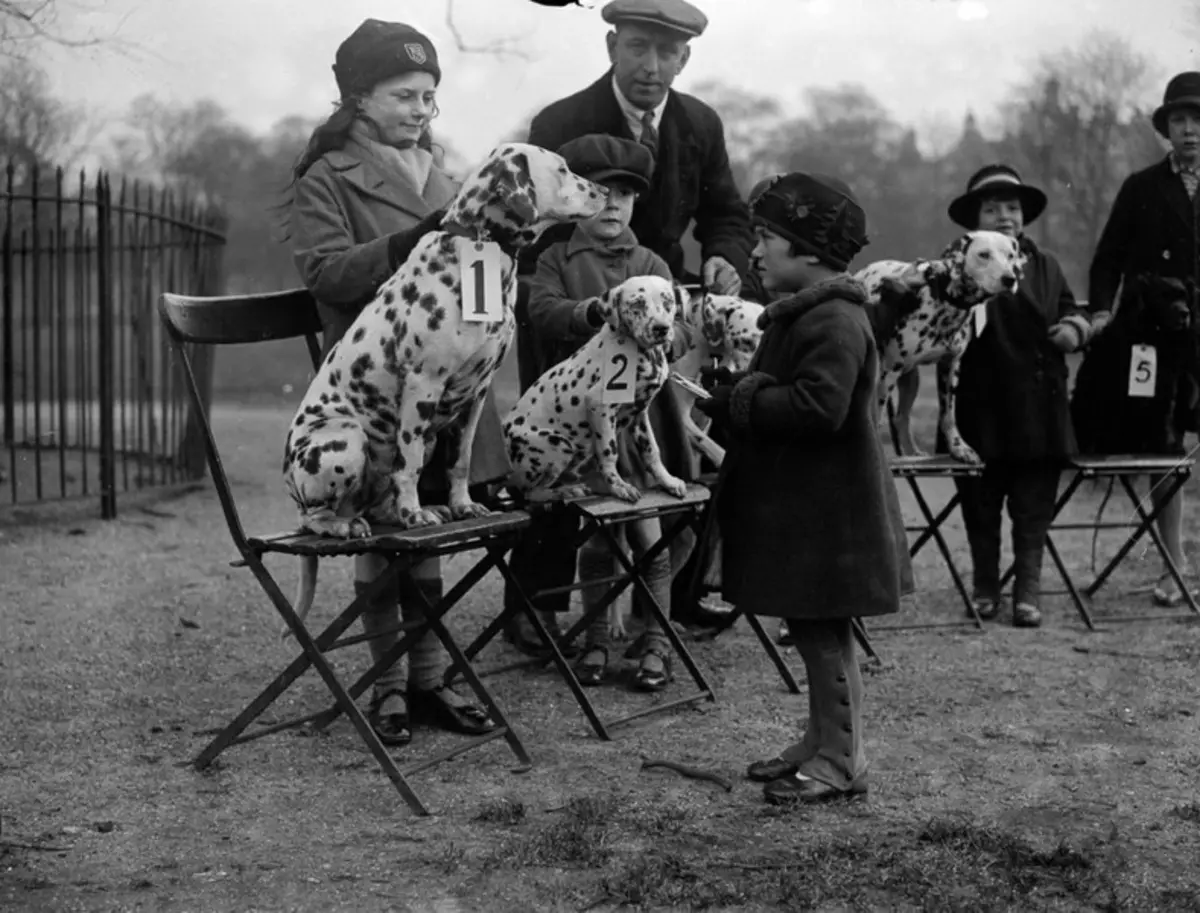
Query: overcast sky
923,59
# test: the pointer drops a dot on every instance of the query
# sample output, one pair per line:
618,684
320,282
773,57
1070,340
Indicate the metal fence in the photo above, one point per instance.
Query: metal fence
92,404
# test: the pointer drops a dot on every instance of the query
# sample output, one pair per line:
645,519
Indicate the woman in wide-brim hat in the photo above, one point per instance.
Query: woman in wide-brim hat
1012,404
365,190
1153,228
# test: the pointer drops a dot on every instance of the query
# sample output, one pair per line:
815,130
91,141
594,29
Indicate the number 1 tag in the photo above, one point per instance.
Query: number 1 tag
620,374
979,315
1143,370
480,267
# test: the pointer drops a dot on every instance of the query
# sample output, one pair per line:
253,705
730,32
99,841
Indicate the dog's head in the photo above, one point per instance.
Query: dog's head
1157,304
730,328
976,266
643,308
521,190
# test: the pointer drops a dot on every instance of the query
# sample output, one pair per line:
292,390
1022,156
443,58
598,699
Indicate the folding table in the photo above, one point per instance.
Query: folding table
1123,468
603,515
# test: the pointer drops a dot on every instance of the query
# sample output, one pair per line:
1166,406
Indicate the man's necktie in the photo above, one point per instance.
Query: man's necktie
649,137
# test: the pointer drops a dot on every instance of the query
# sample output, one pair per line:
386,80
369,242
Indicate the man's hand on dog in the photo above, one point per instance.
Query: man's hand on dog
720,277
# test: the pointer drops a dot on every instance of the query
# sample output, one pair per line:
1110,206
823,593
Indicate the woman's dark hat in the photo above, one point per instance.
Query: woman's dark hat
1183,91
601,157
378,50
993,181
818,213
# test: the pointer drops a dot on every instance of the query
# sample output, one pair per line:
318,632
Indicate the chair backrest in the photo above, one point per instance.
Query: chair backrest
234,320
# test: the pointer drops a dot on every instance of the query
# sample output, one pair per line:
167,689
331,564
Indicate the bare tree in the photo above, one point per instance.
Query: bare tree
501,47
26,24
36,128
747,117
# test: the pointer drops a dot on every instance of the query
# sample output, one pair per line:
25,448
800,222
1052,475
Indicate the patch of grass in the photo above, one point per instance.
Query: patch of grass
1189,812
580,837
505,810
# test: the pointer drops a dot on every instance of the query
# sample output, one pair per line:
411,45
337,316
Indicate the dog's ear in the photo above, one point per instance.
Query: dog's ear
937,275
610,307
514,186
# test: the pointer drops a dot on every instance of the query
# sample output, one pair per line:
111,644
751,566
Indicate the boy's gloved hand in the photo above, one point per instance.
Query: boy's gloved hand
595,316
717,408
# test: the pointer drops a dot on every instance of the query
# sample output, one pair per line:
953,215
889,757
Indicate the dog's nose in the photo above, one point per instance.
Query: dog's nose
662,331
1008,281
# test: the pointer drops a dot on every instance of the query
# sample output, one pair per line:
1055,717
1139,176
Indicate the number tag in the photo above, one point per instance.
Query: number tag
620,374
480,267
1143,370
979,315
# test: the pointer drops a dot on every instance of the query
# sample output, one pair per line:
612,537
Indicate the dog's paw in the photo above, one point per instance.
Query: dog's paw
337,527
962,452
408,518
619,489
673,486
469,511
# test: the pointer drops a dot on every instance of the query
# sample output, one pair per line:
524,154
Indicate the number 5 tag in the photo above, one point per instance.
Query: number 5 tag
479,264
620,374
1143,370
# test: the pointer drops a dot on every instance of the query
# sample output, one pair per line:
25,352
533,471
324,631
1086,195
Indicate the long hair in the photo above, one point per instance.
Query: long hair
331,136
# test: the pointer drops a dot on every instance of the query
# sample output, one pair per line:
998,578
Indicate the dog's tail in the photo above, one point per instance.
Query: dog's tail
306,590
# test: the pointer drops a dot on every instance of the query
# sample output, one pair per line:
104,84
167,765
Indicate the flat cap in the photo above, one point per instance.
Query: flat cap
601,157
672,15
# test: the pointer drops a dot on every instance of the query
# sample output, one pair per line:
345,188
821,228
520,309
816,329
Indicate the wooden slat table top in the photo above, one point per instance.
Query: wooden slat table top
1131,463
456,533
653,503
937,465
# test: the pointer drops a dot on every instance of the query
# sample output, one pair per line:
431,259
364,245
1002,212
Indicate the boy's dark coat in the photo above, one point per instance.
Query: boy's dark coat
810,520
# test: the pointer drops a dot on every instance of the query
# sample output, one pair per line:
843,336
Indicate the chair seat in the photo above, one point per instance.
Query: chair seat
460,534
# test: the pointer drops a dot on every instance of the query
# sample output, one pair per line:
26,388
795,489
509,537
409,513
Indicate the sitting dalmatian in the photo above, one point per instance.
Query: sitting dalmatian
973,268
565,426
413,367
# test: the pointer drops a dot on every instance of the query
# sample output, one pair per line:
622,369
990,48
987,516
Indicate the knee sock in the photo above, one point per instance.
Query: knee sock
427,659
381,615
595,562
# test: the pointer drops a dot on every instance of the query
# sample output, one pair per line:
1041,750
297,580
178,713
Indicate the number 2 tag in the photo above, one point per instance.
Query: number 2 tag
620,374
1143,368
979,314
480,267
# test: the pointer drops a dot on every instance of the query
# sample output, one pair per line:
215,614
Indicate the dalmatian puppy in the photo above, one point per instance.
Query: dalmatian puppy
412,367
973,268
564,427
720,329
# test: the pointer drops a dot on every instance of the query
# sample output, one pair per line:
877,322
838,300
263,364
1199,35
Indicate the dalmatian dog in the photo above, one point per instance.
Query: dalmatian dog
412,368
565,426
721,330
973,268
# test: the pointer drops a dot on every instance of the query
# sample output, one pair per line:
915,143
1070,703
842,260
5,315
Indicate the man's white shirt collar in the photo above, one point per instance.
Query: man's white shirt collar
634,115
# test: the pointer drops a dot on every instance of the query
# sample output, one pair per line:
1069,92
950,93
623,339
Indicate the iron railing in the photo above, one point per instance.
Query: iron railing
92,404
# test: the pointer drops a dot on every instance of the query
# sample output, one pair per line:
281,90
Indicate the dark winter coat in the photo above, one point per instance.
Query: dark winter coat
692,177
1153,228
1012,392
810,520
345,207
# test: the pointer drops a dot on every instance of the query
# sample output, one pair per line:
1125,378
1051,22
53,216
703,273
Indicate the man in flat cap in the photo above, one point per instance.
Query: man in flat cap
648,47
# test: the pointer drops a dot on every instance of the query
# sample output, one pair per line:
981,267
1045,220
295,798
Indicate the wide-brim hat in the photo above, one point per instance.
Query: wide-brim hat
993,181
1183,91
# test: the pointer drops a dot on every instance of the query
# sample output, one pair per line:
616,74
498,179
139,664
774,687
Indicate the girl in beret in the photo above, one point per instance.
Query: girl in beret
365,190
811,524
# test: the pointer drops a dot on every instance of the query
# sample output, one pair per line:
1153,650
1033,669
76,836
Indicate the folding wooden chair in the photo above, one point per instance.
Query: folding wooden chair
602,515
284,315
912,469
1123,469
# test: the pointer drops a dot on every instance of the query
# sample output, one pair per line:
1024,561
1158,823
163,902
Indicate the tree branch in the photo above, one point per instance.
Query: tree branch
502,47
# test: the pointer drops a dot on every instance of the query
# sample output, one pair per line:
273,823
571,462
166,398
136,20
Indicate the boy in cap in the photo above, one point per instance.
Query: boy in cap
1011,402
810,521
564,311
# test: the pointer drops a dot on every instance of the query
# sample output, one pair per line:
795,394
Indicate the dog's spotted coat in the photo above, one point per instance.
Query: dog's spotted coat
410,368
973,268
562,430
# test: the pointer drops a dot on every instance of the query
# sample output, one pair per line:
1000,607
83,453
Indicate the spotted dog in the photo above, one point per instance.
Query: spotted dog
562,429
718,328
973,268
411,367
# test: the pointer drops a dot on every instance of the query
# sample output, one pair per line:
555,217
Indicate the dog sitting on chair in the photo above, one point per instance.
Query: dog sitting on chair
565,426
413,367
976,266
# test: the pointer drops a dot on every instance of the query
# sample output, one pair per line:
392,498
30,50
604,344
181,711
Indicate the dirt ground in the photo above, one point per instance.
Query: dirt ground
1011,770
